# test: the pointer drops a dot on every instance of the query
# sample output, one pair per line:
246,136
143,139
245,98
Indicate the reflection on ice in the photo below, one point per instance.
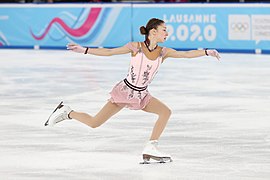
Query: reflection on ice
219,128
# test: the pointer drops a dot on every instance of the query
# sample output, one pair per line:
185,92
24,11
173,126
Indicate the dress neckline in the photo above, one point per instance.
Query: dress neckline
147,45
149,59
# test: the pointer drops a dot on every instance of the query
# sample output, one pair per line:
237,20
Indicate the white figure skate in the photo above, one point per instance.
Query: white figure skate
59,114
151,152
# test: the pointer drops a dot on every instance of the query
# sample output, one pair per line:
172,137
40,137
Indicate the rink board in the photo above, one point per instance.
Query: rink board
227,27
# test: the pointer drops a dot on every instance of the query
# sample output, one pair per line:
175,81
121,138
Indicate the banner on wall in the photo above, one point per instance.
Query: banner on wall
190,26
55,26
222,26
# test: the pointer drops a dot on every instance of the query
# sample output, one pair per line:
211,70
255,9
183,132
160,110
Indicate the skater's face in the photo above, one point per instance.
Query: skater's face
160,33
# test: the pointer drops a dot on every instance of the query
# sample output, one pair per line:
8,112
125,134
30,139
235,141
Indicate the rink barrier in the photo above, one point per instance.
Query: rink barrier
230,27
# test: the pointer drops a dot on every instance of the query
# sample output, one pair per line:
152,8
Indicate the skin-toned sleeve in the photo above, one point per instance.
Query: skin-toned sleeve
132,46
164,52
190,54
183,54
98,51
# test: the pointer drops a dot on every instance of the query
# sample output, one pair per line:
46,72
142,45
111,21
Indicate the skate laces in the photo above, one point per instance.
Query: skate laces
66,111
154,144
63,115
60,117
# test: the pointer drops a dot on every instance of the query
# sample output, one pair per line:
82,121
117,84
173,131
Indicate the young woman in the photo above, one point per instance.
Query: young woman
146,58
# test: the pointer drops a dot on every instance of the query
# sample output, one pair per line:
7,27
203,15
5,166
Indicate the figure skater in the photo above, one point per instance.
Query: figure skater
132,92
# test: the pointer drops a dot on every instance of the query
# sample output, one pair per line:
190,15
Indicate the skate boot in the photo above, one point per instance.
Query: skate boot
151,152
59,114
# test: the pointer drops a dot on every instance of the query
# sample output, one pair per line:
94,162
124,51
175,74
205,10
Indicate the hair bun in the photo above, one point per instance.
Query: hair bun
143,30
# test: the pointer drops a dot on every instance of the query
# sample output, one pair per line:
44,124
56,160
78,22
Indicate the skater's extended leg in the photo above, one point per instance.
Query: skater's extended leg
108,110
157,107
151,150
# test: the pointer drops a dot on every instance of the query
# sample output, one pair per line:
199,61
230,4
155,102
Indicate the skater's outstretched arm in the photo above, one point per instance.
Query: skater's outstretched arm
191,54
98,51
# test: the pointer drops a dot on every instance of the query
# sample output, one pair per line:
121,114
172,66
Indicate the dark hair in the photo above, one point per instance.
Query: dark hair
151,24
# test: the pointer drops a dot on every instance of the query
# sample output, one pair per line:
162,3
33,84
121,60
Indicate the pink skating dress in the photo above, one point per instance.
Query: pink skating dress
132,92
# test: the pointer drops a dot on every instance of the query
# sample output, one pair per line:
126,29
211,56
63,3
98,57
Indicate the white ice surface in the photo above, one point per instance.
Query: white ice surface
219,129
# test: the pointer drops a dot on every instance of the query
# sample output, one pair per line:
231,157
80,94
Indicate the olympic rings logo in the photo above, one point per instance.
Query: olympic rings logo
239,27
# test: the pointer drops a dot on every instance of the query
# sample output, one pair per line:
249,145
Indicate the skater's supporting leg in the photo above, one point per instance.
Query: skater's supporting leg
108,110
157,107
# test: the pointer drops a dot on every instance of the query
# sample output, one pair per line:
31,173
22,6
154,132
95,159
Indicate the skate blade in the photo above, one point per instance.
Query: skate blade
145,162
146,159
58,107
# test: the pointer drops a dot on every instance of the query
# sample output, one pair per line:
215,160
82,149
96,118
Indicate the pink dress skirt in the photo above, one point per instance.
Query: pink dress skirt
124,96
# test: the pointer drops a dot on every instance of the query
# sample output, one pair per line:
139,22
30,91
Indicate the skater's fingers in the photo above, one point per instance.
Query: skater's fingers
213,53
70,48
73,47
217,55
71,44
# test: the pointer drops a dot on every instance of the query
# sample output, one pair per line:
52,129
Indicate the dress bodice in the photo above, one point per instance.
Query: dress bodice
142,70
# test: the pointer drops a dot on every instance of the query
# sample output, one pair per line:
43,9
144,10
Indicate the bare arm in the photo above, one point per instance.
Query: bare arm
98,51
191,54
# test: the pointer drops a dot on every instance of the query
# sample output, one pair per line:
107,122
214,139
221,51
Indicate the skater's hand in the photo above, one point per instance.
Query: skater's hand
213,53
76,48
